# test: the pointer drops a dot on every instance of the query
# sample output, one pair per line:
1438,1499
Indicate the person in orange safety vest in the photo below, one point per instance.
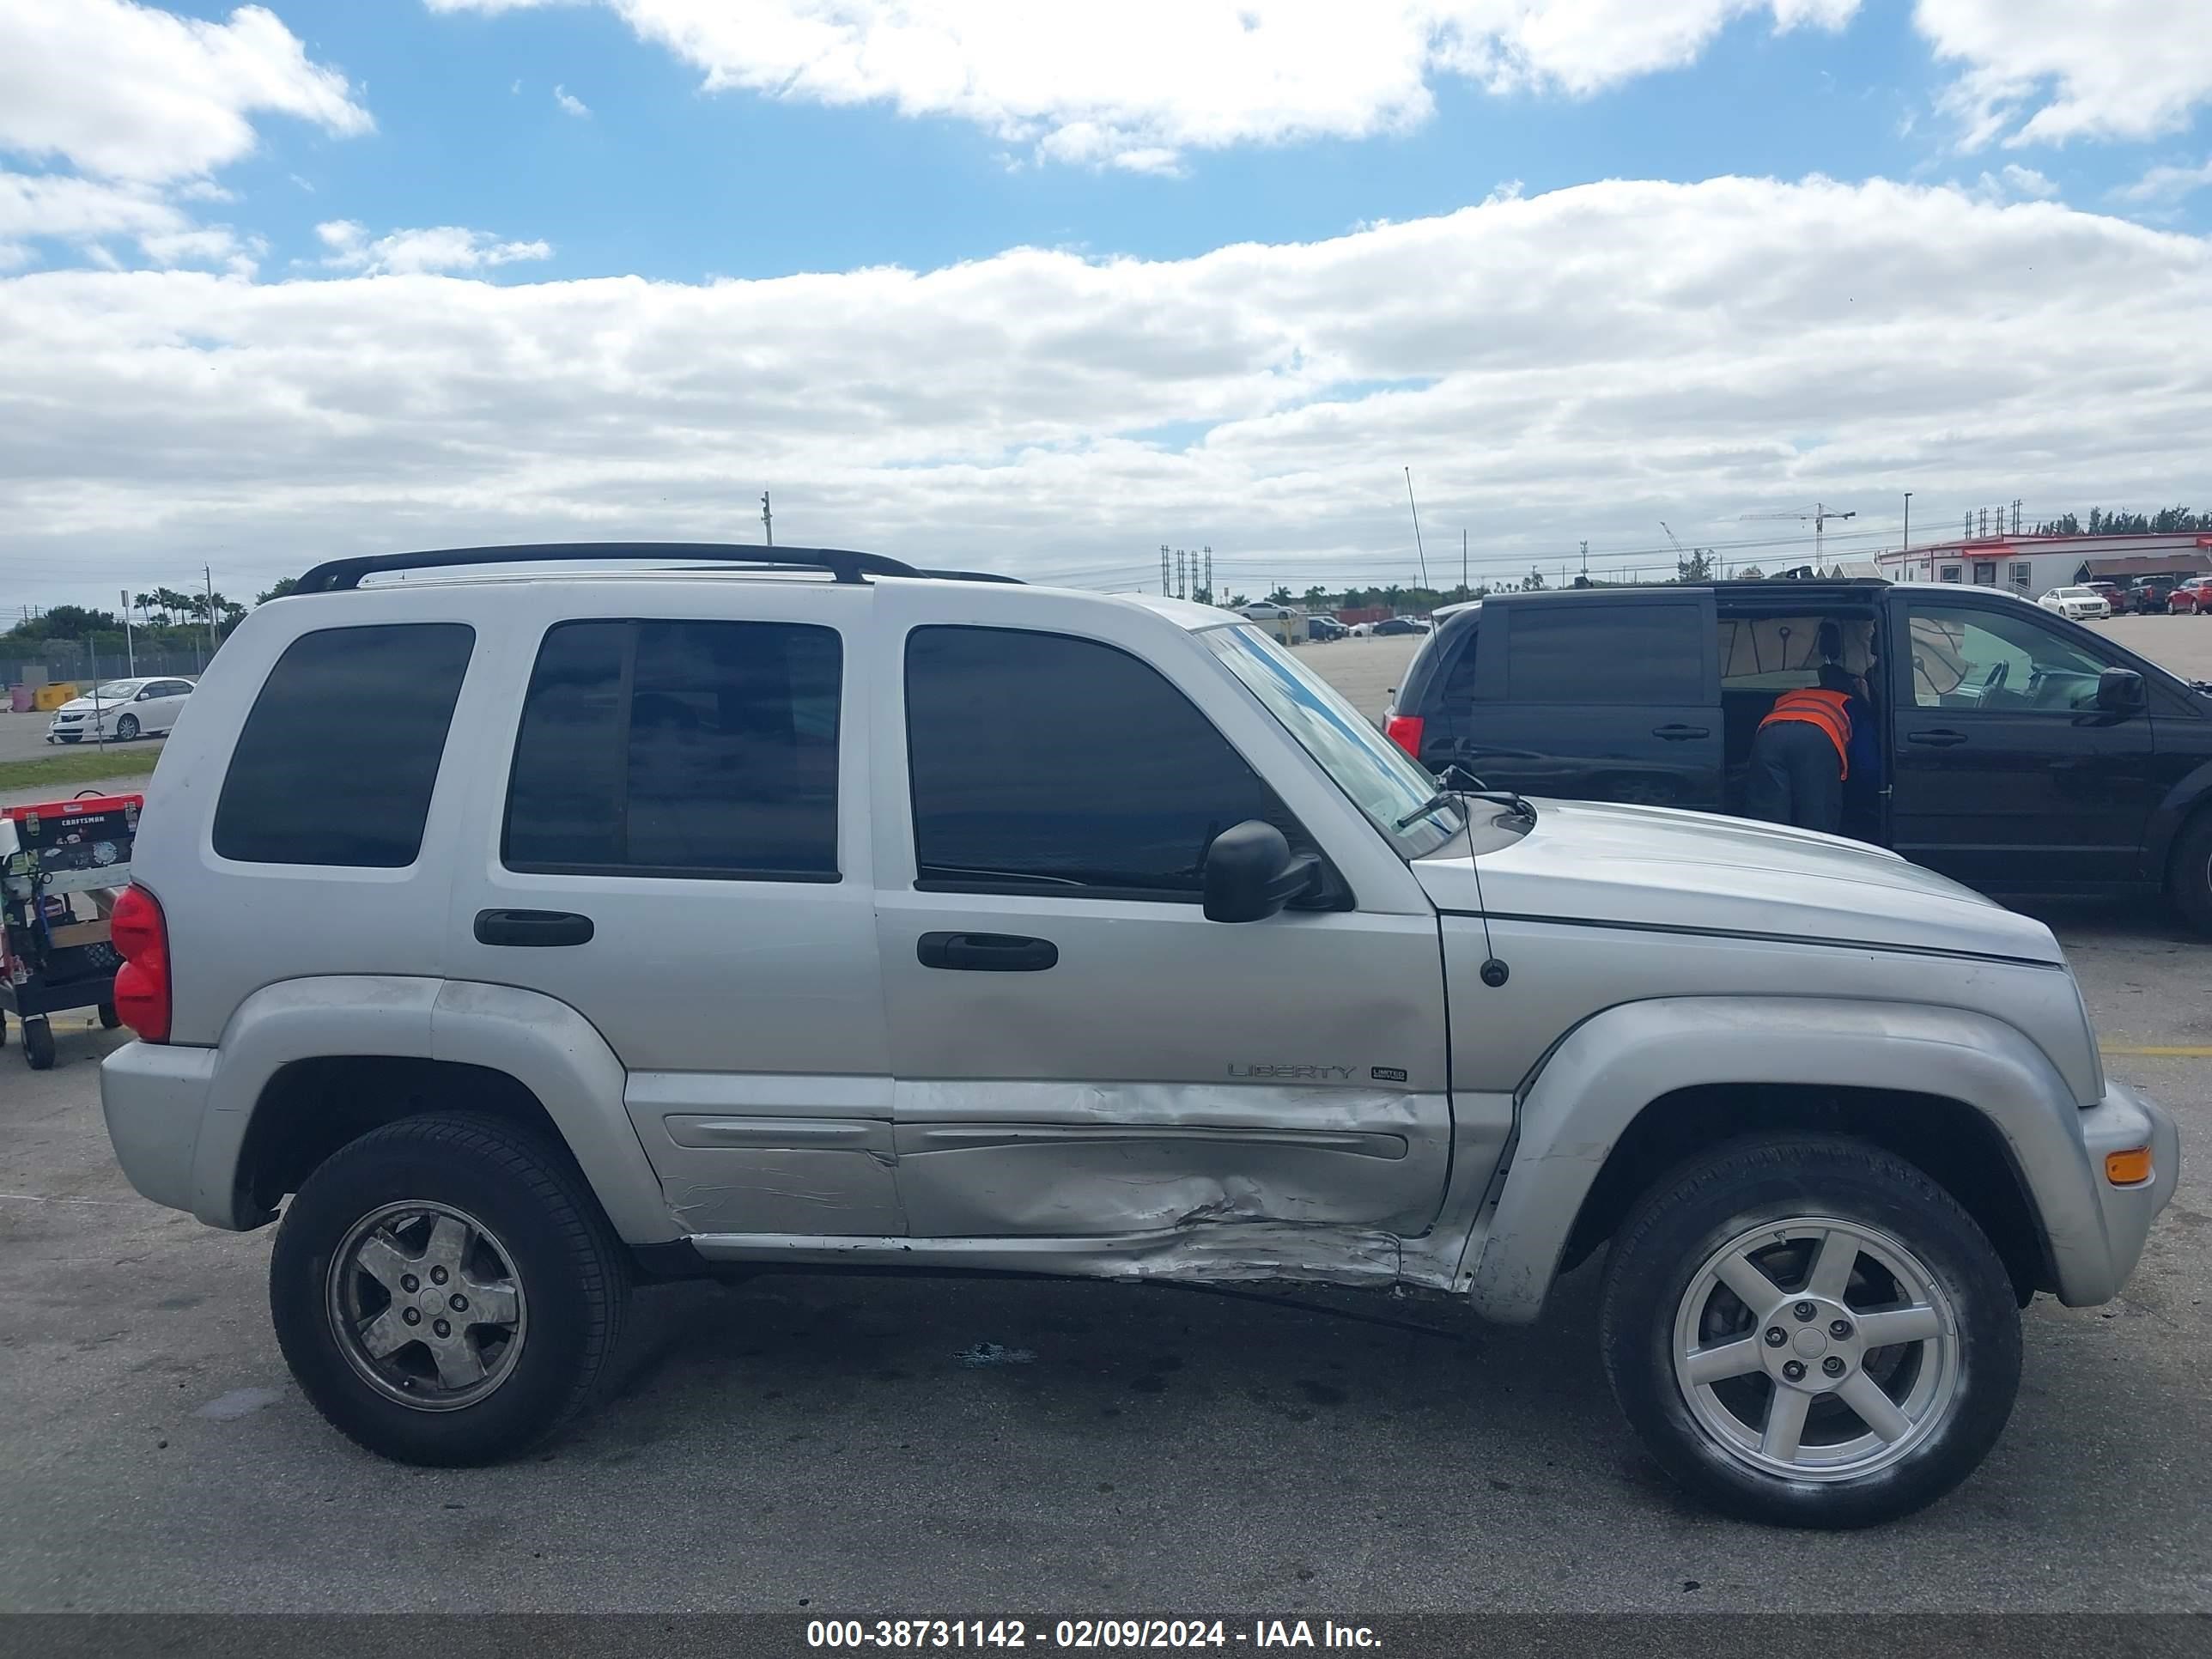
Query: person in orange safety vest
1801,755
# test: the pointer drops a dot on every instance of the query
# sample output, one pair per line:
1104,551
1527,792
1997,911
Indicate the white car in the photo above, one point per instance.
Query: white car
2076,604
116,711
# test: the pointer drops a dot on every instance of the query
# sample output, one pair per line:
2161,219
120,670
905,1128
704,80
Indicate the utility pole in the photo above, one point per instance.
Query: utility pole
1167,589
1907,548
1585,564
1462,563
1209,593
208,571
130,647
768,520
2015,515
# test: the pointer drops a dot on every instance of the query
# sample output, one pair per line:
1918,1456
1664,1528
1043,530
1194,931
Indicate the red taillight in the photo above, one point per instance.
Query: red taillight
1404,731
141,936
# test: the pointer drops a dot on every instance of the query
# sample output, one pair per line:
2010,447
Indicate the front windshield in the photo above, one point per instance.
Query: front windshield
114,691
1382,779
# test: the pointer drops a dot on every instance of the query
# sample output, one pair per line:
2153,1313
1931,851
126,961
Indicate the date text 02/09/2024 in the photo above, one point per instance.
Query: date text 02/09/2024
1084,1634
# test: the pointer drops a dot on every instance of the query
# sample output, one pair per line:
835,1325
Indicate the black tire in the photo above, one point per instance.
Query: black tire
38,1044
126,728
3,1028
2188,872
572,1273
1692,1212
109,1019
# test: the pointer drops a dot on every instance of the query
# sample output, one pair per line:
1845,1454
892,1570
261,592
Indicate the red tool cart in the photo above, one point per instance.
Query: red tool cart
61,865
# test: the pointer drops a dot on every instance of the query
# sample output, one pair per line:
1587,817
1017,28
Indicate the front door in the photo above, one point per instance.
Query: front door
674,849
1079,1052
2007,775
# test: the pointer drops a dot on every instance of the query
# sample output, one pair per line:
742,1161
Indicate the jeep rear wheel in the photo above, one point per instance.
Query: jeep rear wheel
445,1291
1810,1331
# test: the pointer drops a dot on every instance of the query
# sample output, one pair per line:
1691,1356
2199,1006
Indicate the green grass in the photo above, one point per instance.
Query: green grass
120,760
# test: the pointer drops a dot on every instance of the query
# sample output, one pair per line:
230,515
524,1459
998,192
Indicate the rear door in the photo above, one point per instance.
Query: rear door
668,842
165,704
2005,774
1597,698
1080,1052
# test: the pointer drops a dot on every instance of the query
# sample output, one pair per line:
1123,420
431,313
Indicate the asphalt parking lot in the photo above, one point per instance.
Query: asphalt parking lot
857,1445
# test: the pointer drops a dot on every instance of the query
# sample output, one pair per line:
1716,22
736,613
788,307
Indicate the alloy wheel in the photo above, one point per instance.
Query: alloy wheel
426,1306
1816,1349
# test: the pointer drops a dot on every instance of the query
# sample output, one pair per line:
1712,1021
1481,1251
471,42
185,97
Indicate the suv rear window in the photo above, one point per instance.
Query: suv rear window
336,762
686,748
1594,652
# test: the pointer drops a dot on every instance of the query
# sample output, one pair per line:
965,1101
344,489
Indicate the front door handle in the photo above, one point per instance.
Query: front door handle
985,953
1941,738
1679,733
532,928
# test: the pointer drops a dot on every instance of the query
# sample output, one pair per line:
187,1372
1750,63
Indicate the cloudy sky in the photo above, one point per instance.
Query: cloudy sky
1041,287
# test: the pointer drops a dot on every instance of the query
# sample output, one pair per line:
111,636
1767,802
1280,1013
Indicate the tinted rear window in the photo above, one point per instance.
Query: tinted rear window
338,756
687,748
1592,652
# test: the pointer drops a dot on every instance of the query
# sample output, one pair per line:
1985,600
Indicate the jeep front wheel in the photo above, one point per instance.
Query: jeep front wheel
446,1291
1810,1331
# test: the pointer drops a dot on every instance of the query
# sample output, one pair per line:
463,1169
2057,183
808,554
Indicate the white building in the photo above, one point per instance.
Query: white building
2033,565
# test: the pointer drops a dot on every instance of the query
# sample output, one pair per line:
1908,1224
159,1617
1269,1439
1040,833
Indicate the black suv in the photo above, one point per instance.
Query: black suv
2020,753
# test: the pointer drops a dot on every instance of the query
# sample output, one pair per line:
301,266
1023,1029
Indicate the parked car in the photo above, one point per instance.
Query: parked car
116,711
1325,628
2078,604
2023,753
2110,593
2192,596
2148,595
1401,625
462,988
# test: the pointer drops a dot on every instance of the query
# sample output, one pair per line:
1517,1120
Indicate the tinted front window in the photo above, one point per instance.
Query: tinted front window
337,761
681,749
1062,764
1592,652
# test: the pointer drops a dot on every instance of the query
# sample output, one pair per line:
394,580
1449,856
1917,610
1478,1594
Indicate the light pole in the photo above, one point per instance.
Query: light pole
1908,533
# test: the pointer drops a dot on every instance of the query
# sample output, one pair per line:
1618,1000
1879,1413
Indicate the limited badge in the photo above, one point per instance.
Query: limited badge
1386,1074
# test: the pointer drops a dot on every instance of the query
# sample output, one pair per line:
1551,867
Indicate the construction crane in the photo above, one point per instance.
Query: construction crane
1817,518
1685,557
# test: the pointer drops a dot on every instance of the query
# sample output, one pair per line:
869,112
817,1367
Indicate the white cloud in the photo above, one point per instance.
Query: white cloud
2045,71
87,213
570,104
1580,363
2167,184
1133,83
412,252
126,91
2026,181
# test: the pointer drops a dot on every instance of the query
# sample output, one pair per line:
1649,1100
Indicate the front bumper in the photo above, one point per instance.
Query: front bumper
2092,1269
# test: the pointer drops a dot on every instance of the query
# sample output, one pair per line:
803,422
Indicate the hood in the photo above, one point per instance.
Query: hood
86,706
1657,867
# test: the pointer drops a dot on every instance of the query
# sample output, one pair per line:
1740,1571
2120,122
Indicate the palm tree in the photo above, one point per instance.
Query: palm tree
1280,595
1392,595
1317,597
143,604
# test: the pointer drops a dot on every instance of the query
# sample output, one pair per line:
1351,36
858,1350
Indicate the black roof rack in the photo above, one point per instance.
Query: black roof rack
343,575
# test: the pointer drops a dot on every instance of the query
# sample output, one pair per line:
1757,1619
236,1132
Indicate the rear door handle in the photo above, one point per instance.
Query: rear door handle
1941,738
1679,733
532,928
985,953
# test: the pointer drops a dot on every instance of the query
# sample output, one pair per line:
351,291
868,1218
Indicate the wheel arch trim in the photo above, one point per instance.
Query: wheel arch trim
1617,1064
544,1044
